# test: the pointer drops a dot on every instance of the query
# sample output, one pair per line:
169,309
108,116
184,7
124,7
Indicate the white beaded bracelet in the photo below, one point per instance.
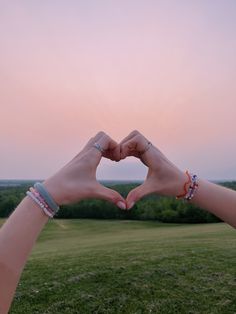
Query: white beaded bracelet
41,205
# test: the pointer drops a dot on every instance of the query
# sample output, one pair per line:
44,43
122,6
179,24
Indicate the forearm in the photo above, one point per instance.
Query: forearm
74,182
17,237
218,200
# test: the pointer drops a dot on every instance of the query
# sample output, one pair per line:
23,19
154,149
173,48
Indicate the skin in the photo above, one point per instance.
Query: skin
77,181
164,178
74,182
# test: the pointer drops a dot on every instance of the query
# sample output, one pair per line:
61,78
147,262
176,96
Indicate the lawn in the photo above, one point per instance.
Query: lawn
97,266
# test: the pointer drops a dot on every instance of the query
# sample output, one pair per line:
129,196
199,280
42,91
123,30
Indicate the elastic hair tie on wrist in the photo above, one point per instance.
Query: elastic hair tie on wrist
46,196
43,199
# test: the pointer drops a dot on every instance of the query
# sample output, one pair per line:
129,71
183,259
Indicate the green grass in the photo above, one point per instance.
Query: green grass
96,266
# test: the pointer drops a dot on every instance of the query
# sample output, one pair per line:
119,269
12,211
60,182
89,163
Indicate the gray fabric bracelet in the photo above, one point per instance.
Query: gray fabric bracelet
47,197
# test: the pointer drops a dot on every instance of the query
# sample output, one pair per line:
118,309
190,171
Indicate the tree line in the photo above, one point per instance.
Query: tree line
153,207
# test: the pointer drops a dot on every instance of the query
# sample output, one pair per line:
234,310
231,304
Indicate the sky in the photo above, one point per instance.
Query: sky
69,69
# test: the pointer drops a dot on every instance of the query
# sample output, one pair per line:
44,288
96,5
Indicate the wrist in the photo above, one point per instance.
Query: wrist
54,191
183,182
175,184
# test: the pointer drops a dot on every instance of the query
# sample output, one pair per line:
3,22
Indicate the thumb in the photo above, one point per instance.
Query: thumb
136,194
110,195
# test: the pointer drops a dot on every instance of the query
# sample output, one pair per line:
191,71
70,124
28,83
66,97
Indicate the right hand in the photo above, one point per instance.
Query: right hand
163,177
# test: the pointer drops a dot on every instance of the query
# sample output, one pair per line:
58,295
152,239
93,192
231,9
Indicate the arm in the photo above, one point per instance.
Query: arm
165,178
17,237
75,181
218,200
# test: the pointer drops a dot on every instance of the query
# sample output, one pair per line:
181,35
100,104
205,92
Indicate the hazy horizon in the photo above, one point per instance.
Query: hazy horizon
69,69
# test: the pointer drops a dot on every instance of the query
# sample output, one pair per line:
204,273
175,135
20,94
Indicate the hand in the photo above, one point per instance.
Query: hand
77,180
163,177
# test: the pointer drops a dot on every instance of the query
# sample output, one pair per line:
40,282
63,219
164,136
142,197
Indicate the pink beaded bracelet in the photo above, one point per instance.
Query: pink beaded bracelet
39,200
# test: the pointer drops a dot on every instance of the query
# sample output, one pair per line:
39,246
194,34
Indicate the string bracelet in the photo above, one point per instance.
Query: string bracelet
185,186
43,202
190,187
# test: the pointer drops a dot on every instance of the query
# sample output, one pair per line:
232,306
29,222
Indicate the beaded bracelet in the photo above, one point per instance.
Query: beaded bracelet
43,203
193,185
192,189
46,196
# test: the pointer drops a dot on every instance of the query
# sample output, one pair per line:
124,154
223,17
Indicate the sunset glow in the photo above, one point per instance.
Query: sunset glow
71,68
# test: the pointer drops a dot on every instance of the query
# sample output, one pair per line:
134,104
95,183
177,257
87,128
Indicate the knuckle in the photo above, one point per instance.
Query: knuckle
139,137
135,132
122,146
106,137
100,134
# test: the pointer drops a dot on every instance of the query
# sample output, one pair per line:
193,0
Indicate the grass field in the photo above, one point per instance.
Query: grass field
94,266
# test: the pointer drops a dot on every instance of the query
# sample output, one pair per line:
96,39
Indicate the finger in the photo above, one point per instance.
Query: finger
131,135
89,144
134,146
114,154
101,145
108,145
94,139
110,195
110,148
89,153
136,194
126,139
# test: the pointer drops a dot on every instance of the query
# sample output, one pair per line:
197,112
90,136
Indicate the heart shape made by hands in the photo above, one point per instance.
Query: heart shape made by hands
77,180
162,176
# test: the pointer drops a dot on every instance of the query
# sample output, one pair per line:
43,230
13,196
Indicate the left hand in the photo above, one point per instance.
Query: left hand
77,180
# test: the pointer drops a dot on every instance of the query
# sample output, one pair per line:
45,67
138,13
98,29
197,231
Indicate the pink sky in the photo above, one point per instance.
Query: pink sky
71,68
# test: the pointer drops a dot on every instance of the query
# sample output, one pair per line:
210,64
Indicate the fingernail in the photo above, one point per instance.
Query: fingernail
121,205
131,205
